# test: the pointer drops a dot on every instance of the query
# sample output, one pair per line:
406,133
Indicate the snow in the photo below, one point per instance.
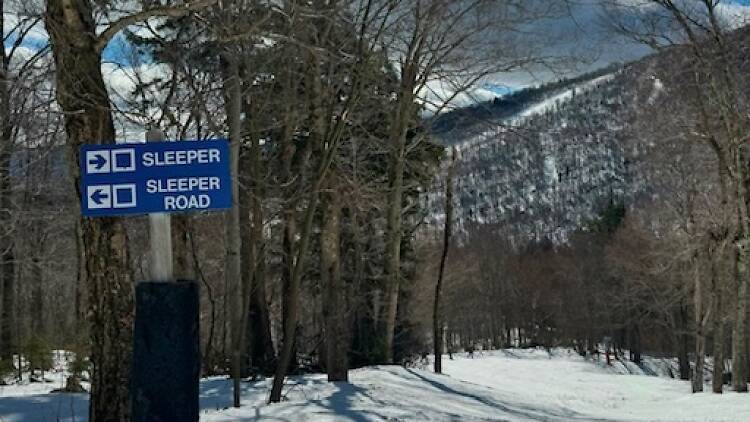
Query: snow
656,91
549,103
567,385
507,385
534,109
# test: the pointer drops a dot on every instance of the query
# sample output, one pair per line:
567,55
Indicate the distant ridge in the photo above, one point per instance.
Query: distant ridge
464,122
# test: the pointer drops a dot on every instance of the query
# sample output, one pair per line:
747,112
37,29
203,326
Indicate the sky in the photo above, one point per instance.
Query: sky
581,33
578,34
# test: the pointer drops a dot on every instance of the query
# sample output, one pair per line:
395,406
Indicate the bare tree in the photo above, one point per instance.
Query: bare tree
14,67
331,103
82,95
437,319
720,122
453,44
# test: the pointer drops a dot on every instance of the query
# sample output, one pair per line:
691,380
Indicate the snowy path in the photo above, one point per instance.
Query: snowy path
579,389
499,386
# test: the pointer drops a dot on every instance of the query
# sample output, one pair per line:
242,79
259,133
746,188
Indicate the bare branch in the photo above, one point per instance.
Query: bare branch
169,11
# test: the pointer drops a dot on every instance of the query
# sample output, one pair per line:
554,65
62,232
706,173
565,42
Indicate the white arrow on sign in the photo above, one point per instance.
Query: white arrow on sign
99,196
111,196
115,161
97,162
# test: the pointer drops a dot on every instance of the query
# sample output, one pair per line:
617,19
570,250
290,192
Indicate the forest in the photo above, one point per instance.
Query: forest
373,221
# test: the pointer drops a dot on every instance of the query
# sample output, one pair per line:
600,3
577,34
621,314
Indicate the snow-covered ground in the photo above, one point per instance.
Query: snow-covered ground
511,385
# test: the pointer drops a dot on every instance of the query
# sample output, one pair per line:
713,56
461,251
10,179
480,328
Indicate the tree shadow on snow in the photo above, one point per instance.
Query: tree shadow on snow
45,407
216,395
342,401
531,413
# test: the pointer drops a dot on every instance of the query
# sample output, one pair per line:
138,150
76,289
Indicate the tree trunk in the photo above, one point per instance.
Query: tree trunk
289,213
7,264
682,343
259,342
233,265
635,343
290,250
298,241
37,297
437,318
393,253
717,383
258,348
720,267
739,329
291,312
247,252
7,320
81,302
183,260
335,305
394,230
700,325
83,99
208,360
262,351
324,146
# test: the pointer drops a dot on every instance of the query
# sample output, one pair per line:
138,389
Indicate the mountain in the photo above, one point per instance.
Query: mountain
456,126
543,162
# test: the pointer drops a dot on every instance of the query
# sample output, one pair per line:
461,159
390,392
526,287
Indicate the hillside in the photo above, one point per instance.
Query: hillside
545,161
550,165
458,125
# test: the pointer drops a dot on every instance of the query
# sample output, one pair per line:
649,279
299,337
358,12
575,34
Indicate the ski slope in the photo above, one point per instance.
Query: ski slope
512,385
549,103
533,109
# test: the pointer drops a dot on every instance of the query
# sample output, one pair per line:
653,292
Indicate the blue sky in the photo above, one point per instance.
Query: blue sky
115,50
584,20
580,35
584,35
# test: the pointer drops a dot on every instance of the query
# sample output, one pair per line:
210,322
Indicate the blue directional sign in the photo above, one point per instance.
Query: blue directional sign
155,177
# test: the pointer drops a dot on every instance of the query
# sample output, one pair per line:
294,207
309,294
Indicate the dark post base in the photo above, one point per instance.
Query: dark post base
166,352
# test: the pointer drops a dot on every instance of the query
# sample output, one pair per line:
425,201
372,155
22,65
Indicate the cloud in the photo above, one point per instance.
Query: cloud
572,42
583,40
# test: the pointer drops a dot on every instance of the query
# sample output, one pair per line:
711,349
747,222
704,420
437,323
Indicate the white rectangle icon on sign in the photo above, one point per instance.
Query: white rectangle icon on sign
123,160
99,197
123,196
97,162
